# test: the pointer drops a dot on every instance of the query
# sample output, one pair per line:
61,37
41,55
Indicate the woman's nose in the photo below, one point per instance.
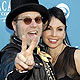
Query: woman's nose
54,32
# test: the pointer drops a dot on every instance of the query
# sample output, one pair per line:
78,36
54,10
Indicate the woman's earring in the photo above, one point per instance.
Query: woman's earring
64,41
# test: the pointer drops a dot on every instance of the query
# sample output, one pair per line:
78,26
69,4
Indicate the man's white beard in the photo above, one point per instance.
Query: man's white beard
37,42
29,43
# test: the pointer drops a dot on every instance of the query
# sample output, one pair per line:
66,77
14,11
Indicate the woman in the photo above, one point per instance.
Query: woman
65,59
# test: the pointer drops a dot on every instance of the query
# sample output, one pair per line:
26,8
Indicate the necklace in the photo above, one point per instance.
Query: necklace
54,59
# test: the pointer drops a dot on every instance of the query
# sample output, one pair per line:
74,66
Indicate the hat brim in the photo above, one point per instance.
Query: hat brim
27,7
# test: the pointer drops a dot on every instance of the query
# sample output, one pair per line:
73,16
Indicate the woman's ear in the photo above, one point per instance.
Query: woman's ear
14,25
64,34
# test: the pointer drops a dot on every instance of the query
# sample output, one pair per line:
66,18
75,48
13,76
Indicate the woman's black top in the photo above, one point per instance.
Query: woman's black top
65,68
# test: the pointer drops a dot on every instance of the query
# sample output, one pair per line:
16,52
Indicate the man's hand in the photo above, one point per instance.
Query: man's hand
25,60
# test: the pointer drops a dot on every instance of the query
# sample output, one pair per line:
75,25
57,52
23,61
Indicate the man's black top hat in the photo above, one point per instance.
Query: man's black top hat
20,6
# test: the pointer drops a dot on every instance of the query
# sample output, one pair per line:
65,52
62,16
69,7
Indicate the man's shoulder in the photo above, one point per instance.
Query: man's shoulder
9,47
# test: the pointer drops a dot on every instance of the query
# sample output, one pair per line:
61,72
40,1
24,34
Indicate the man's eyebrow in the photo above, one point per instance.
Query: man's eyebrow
25,16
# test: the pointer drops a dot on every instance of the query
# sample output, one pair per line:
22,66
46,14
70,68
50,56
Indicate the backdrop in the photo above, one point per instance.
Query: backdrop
70,8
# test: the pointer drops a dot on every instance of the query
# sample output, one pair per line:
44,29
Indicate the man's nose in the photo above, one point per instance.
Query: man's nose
33,23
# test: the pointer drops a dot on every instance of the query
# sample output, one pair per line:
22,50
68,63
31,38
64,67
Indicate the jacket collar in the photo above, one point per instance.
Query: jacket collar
15,40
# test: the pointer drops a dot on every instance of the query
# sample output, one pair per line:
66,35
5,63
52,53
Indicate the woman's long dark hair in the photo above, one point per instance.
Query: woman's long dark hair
59,14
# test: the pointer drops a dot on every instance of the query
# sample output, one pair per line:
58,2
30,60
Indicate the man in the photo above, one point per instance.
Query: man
21,60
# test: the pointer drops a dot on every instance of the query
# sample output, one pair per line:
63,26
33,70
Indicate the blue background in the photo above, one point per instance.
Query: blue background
73,20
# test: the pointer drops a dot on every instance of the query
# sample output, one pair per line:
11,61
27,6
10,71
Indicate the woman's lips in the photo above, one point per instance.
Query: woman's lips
53,41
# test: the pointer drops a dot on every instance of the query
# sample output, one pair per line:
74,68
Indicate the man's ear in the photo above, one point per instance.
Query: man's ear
14,25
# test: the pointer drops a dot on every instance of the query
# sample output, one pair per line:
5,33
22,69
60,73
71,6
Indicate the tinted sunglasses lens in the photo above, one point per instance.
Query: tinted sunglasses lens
27,20
38,20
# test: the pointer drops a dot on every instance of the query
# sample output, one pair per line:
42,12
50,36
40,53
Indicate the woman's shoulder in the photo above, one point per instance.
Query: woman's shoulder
77,60
77,51
77,54
70,49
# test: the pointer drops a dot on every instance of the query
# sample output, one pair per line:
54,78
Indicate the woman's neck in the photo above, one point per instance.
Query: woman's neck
55,52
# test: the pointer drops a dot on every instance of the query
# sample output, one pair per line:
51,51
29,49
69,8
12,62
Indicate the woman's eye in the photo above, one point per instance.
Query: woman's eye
60,29
49,27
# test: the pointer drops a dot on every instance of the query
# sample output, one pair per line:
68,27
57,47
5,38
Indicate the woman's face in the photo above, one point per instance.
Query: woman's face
55,33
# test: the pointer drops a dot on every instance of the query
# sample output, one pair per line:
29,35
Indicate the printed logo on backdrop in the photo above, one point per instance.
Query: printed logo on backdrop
65,9
4,9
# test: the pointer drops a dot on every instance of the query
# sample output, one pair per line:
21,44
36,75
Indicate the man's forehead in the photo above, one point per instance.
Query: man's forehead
30,14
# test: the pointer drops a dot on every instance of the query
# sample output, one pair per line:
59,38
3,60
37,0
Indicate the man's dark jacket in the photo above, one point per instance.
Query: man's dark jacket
7,64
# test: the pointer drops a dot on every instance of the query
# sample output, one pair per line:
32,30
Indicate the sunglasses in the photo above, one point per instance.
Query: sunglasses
28,20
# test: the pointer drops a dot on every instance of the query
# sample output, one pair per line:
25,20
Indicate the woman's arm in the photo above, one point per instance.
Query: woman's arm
77,60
